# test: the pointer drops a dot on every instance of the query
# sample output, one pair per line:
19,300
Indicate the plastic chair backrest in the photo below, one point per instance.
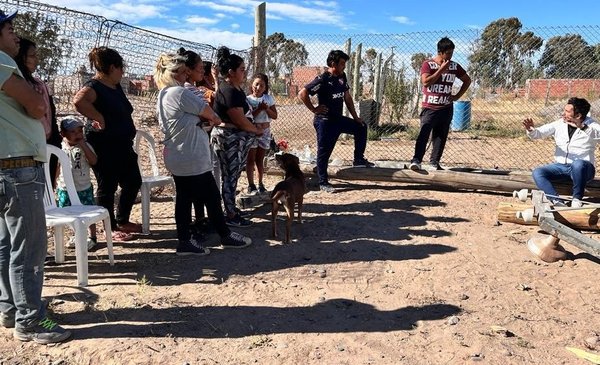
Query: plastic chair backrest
65,168
151,150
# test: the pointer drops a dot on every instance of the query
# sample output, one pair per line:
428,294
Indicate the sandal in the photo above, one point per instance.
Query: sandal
130,227
120,236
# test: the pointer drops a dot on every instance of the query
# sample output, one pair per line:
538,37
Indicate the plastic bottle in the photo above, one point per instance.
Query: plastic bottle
307,154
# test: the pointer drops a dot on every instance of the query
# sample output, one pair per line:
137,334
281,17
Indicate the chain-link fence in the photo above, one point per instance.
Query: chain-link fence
516,73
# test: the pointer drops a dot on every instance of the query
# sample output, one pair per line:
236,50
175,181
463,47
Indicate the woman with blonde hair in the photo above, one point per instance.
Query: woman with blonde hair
187,153
104,102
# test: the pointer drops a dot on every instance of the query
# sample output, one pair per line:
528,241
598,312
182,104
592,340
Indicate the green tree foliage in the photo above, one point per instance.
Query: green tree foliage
571,57
416,61
500,55
283,55
398,92
46,33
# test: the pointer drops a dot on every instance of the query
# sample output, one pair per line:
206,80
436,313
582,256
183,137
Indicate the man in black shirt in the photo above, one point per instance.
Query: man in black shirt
332,90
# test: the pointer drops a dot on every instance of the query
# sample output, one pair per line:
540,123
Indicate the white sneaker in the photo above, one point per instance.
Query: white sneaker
415,166
576,203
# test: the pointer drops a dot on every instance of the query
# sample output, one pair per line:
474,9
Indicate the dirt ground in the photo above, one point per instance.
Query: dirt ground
378,274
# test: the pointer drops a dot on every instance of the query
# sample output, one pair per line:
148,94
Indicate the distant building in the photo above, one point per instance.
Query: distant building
302,75
561,88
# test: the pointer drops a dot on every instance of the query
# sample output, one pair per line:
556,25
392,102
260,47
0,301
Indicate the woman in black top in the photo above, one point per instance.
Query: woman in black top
232,139
103,101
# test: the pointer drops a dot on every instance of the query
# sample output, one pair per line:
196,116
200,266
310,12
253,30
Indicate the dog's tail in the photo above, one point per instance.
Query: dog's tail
279,188
277,195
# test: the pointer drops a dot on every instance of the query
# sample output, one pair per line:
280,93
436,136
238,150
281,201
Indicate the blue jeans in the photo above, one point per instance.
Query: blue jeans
579,172
328,132
22,243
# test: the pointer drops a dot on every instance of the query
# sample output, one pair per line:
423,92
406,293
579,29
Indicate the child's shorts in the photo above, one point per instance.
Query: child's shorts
263,141
85,196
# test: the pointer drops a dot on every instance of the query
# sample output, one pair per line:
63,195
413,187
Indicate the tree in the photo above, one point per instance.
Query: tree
416,61
369,63
283,55
501,52
398,91
571,57
46,33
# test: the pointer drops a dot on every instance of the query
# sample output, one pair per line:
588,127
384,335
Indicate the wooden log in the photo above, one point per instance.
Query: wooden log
585,219
507,212
459,178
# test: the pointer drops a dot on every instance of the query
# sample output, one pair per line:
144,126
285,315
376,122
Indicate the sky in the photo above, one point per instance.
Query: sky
231,22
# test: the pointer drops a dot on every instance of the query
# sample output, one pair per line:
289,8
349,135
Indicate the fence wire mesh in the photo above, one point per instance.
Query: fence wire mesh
517,72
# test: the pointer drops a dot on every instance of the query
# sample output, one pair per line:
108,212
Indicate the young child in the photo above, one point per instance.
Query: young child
82,157
263,111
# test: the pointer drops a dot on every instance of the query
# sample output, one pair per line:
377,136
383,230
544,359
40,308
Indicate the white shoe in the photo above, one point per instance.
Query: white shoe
415,166
576,203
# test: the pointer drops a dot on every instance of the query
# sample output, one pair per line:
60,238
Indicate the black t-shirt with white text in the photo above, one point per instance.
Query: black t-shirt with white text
330,91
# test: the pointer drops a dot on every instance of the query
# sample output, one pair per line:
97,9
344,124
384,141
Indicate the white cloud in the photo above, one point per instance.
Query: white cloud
305,15
215,38
122,11
402,20
235,26
201,20
324,4
218,7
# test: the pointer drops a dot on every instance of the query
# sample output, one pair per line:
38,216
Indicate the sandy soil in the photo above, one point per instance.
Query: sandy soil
378,274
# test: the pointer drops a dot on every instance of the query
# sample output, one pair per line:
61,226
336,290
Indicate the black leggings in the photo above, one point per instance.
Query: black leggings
113,170
197,188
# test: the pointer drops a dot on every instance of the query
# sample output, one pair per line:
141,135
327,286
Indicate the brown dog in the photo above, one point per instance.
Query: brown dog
288,192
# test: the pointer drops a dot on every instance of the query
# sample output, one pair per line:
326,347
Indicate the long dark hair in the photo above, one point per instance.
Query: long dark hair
227,61
24,46
191,57
264,78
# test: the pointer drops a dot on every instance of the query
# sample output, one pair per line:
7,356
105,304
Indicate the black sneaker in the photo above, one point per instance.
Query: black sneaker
261,188
45,331
191,247
235,240
238,221
252,189
328,188
363,162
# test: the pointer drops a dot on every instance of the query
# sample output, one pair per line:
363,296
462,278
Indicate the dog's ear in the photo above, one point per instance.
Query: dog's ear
296,159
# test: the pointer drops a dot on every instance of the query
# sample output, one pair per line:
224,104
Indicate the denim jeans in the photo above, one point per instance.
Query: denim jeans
22,243
579,172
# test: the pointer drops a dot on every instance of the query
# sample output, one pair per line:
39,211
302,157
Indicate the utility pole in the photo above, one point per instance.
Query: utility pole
260,31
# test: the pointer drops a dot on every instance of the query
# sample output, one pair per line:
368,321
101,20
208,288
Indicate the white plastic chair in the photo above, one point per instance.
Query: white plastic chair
149,181
79,217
